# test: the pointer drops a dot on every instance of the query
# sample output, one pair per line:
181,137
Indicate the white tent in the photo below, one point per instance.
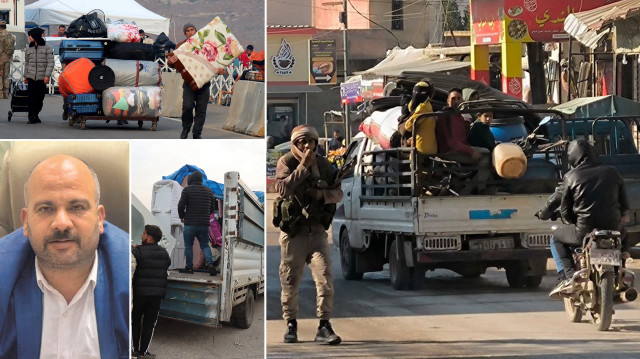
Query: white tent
63,12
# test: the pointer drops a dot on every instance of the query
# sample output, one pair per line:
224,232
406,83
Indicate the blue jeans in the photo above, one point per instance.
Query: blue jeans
202,233
556,255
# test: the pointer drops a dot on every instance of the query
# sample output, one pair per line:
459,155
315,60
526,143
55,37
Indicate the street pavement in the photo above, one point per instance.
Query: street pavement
453,317
53,127
175,339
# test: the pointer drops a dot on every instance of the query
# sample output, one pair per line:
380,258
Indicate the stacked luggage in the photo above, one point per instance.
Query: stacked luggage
97,68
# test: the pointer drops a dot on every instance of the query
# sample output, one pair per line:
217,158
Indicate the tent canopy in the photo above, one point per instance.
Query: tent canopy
600,106
400,60
63,12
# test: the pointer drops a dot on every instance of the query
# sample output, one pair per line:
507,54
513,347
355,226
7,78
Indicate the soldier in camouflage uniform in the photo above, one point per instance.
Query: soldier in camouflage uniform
7,45
309,189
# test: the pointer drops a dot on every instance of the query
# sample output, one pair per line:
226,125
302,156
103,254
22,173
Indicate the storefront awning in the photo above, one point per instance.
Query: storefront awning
590,26
600,106
395,64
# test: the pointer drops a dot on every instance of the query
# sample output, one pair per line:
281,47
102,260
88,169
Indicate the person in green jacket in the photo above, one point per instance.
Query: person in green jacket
480,133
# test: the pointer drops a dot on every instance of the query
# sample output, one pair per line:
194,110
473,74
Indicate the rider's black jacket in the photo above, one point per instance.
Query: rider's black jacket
593,195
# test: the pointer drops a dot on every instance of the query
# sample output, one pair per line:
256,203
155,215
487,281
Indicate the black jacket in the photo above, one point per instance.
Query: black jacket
162,46
150,277
480,136
196,202
594,194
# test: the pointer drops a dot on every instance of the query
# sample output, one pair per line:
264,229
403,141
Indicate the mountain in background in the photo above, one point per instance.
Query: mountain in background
245,18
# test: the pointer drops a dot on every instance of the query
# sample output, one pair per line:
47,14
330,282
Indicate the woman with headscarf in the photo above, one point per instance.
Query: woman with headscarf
39,63
426,128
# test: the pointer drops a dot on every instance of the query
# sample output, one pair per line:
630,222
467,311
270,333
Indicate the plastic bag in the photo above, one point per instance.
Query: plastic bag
122,31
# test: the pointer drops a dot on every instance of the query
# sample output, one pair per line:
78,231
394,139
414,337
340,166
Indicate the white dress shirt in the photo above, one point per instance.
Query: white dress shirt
69,330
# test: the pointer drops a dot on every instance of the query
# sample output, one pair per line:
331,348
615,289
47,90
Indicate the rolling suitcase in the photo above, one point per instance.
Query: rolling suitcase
71,50
19,100
84,104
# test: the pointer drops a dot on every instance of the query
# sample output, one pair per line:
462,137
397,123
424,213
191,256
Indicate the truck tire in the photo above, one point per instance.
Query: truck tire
532,281
348,258
400,275
515,276
242,314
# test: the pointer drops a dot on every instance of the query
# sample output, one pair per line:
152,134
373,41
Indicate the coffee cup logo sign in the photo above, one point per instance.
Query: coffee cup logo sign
284,61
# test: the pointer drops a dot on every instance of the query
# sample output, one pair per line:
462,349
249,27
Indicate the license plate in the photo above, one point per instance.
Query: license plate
491,244
606,256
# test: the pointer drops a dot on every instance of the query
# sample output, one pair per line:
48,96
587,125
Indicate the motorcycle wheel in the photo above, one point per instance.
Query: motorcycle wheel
574,312
602,318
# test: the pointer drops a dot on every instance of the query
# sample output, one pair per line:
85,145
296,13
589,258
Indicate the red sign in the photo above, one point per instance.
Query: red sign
543,20
487,16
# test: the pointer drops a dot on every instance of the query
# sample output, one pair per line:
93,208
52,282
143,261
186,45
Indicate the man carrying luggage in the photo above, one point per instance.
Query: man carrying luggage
7,45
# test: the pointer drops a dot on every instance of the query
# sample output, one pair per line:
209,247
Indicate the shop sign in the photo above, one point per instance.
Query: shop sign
284,61
322,61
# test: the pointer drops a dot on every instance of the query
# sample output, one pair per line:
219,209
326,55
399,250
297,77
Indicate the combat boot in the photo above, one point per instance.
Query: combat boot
291,336
326,334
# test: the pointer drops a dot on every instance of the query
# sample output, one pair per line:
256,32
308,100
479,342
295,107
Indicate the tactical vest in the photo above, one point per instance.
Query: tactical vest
299,210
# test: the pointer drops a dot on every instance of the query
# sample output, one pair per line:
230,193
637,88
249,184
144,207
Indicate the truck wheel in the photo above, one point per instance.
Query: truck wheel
399,273
348,258
242,315
532,281
515,277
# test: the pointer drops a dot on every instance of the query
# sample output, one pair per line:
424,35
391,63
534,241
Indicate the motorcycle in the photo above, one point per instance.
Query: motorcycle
600,280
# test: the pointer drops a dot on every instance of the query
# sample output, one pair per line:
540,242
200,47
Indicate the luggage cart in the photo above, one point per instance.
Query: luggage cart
19,100
74,118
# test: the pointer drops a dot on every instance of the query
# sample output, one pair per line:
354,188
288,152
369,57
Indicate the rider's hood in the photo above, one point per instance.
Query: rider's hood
580,151
195,178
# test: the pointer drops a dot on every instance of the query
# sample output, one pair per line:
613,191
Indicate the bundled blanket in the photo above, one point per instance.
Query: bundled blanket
122,31
205,54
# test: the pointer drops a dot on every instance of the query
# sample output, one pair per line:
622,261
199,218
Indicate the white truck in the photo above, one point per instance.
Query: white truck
389,214
199,297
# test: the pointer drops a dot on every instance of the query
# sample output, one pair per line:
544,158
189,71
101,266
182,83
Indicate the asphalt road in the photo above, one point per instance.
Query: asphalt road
53,127
175,339
453,317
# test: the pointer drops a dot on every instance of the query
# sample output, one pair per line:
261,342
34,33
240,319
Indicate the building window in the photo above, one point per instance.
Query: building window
397,20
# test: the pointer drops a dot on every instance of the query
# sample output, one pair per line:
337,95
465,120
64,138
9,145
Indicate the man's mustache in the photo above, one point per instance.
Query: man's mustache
59,236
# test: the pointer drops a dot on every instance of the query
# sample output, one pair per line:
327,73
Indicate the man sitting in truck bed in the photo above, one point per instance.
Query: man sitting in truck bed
451,134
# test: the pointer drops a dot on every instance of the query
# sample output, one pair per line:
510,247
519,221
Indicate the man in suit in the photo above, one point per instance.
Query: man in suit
65,287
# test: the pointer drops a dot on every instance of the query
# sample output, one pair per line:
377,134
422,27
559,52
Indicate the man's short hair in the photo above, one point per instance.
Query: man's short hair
140,31
93,175
249,47
62,27
154,231
455,89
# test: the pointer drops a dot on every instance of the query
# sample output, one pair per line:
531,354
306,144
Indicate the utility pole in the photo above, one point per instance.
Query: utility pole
343,19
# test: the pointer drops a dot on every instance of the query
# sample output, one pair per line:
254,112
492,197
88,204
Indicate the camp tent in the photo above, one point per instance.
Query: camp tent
61,12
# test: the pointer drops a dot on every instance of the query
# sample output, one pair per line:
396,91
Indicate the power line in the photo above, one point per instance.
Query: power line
387,30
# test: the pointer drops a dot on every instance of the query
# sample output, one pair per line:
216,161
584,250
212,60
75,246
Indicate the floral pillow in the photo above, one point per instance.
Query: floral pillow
206,53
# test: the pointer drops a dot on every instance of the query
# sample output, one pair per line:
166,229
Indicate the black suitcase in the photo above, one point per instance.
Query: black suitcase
19,101
131,51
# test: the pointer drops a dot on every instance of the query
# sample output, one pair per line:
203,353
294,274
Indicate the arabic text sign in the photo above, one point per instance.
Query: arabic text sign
350,92
487,18
543,20
322,62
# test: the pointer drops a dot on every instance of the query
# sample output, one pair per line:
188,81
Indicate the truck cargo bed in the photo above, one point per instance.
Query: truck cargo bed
196,277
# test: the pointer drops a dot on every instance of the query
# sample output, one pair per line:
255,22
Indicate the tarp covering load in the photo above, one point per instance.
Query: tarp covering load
600,106
123,31
217,188
131,101
134,73
211,48
399,60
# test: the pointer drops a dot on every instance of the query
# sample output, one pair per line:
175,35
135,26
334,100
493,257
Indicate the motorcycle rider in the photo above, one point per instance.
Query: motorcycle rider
592,195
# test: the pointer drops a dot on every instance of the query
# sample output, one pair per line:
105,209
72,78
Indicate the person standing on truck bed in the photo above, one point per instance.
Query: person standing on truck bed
451,134
194,208
309,189
149,288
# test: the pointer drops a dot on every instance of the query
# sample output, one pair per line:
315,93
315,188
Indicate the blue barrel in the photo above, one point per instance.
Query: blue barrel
508,129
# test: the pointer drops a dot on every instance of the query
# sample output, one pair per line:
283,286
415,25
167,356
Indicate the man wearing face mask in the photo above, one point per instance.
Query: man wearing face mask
309,189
